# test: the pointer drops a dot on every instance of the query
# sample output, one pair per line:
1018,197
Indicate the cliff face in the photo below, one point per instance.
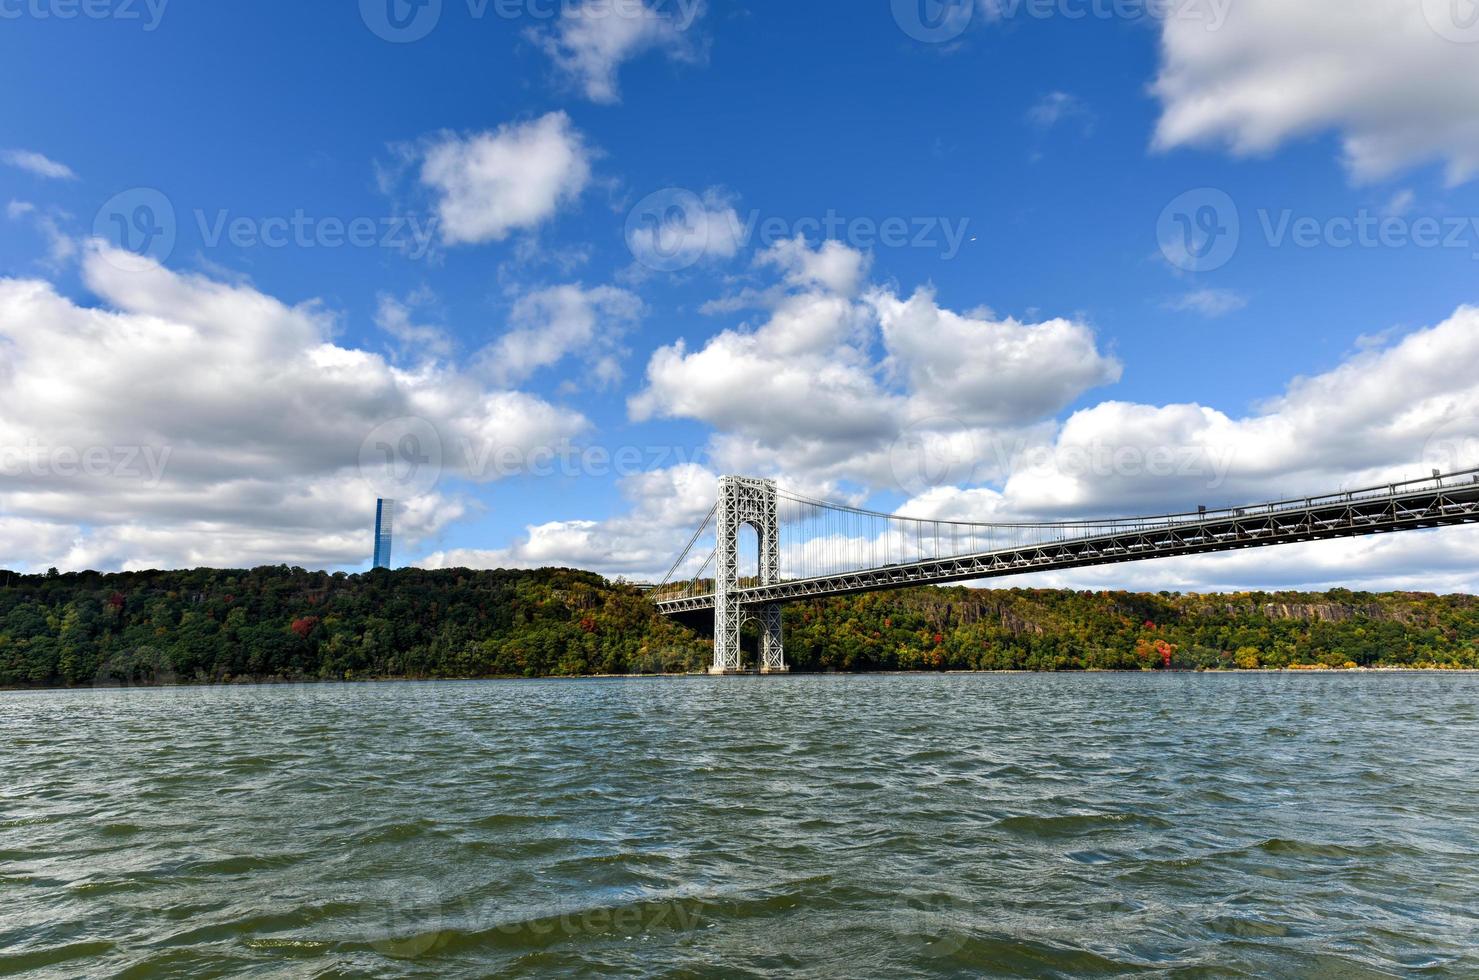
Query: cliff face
1329,612
963,628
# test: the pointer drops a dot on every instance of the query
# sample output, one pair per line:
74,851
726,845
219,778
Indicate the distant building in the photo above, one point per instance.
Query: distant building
384,522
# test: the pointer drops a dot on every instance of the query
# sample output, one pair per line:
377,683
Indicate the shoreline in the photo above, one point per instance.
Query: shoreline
315,682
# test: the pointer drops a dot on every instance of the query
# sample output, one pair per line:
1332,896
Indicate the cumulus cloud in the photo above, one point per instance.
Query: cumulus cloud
514,178
38,164
185,420
551,324
674,229
799,397
988,371
664,506
804,392
1390,76
593,39
417,340
832,265
1434,561
1392,412
60,247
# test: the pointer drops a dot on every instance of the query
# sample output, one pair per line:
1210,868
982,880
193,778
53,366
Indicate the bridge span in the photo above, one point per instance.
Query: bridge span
812,548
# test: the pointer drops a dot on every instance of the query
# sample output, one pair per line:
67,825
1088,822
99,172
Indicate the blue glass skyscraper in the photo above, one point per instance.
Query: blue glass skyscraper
384,519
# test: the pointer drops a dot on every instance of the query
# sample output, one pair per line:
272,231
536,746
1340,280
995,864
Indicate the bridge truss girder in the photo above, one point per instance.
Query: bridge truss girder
1436,506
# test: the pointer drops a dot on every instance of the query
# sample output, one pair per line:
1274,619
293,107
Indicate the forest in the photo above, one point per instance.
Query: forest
279,623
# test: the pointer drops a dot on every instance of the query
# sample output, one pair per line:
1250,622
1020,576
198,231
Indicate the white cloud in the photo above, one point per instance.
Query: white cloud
1441,561
664,506
798,397
59,245
38,164
1389,413
986,371
417,341
1056,107
1381,73
594,38
552,324
1208,302
1400,204
803,394
674,229
514,178
184,420
832,265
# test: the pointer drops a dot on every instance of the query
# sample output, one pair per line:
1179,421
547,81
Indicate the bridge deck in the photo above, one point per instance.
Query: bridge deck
1399,507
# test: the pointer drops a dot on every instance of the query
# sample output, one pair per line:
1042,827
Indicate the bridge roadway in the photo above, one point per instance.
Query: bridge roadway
1412,505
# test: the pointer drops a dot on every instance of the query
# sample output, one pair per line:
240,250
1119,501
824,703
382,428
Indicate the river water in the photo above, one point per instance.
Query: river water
1056,825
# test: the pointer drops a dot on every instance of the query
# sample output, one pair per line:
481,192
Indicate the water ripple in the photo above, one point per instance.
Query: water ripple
1101,825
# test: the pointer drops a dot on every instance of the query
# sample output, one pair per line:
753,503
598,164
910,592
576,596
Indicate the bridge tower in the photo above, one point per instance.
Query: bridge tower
746,501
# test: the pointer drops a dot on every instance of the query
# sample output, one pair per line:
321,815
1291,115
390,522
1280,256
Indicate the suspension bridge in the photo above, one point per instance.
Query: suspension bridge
810,548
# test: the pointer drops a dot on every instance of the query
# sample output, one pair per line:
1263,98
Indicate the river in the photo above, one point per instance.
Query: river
1055,825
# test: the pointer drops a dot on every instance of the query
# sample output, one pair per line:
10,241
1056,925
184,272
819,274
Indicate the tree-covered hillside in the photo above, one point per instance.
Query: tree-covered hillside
279,622
208,625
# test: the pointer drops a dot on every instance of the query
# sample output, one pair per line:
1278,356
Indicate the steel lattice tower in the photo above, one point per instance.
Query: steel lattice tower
746,501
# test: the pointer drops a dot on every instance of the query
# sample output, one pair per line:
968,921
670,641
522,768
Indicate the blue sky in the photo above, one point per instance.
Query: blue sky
524,142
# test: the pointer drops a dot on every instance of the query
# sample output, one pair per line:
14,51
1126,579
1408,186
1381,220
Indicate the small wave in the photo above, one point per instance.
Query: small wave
496,820
38,958
119,829
1077,825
